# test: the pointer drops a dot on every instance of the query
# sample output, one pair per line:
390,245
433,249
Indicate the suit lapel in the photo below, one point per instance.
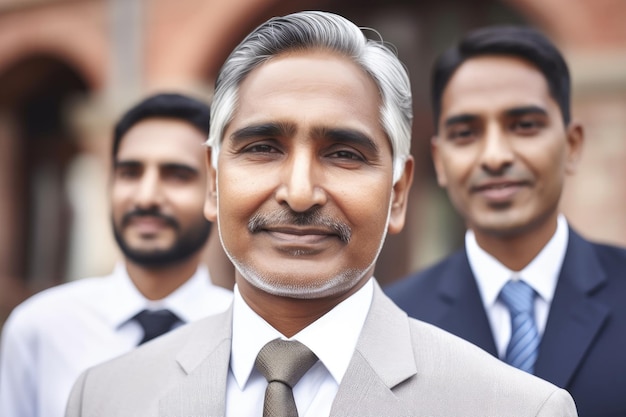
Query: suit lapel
383,359
204,360
575,318
462,312
384,355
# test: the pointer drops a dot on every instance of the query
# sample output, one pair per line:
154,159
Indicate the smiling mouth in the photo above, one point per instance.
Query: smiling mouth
300,235
499,192
297,241
147,224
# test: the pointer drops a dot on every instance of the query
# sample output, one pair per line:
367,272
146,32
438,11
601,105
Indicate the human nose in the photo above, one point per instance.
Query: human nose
497,154
300,188
148,193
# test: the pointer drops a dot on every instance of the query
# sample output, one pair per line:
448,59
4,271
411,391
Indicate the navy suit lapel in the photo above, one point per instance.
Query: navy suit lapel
575,317
462,311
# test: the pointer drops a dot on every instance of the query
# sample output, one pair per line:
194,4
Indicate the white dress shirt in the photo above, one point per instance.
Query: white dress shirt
56,334
542,274
332,338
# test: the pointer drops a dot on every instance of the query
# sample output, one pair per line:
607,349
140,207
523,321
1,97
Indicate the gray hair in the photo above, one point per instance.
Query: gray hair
315,30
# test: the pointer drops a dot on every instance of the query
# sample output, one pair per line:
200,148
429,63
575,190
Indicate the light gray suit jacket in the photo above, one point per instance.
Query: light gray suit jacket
401,367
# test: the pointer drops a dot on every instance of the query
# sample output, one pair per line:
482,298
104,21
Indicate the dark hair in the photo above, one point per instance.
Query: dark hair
175,106
519,41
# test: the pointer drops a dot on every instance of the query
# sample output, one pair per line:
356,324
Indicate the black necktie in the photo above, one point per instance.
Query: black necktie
155,323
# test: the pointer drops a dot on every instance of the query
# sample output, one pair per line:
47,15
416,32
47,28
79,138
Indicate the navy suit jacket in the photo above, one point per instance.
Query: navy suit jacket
583,348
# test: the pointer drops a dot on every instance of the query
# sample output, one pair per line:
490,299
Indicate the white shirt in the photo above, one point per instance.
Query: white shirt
56,334
542,274
332,338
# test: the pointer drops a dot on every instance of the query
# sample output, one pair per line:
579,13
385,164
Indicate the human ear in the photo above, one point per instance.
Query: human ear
400,197
575,140
435,154
210,202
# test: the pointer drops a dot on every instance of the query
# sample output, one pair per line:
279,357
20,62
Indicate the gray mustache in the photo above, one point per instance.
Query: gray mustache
313,217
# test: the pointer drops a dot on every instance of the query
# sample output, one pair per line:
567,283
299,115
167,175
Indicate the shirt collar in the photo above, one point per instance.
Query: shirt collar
178,301
541,273
120,301
332,337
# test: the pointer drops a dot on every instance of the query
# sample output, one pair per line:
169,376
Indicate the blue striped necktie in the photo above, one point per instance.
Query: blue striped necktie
522,350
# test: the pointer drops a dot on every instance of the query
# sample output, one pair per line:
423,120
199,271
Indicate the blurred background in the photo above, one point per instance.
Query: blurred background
69,68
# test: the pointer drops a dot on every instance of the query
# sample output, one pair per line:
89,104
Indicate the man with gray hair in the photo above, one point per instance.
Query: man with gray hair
310,169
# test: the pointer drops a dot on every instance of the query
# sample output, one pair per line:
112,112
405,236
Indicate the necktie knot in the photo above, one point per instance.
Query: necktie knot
518,296
155,323
284,361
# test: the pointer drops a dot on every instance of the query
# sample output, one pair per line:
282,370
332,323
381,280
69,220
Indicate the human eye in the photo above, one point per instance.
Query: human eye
461,134
178,173
347,155
527,126
348,147
127,171
260,148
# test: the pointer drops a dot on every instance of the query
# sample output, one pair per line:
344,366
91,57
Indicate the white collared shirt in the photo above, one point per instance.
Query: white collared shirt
542,274
56,334
333,338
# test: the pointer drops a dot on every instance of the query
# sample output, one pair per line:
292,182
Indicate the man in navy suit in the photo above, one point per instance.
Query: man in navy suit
503,147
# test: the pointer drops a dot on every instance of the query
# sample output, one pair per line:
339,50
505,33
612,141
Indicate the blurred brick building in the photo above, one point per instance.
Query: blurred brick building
68,68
